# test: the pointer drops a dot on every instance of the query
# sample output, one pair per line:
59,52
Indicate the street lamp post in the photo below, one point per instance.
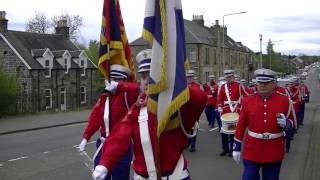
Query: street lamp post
223,43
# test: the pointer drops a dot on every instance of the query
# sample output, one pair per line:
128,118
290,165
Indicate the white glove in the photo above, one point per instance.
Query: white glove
220,110
281,120
112,86
82,145
99,173
236,156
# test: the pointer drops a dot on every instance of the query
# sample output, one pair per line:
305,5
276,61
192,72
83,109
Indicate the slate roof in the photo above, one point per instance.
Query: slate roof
197,34
58,54
32,44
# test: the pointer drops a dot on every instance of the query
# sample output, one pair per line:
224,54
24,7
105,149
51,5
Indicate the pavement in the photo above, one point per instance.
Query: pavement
11,125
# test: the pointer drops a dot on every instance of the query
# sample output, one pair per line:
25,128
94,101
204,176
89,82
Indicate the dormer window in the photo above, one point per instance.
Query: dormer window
83,68
47,69
65,64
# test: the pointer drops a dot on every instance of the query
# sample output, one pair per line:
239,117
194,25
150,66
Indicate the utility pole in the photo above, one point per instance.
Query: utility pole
260,35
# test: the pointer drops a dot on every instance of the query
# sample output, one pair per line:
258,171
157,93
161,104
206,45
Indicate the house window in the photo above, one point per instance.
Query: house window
48,98
66,65
206,74
192,55
47,72
207,56
83,69
83,94
214,57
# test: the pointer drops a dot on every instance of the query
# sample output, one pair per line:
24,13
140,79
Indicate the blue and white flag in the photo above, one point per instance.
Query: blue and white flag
164,29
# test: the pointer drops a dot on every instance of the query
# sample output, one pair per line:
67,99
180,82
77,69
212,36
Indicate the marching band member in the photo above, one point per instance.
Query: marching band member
211,88
191,83
123,95
139,126
265,115
295,92
229,97
305,94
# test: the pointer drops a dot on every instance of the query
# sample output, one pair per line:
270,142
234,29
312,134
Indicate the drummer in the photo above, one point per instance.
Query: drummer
228,101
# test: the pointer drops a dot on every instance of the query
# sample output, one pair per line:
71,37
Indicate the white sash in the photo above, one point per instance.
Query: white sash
146,143
106,116
231,105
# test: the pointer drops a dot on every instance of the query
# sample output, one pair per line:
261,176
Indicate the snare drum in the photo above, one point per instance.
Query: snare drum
229,122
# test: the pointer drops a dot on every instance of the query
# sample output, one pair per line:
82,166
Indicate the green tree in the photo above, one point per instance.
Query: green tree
9,91
93,53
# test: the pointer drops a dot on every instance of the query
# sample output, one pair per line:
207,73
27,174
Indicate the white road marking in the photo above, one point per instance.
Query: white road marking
19,158
214,129
1,165
46,152
200,129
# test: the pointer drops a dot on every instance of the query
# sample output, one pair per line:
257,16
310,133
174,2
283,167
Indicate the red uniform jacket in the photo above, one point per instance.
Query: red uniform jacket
258,114
234,92
211,89
246,91
118,108
171,143
305,91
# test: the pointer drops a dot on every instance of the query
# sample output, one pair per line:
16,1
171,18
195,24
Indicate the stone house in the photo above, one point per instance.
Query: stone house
53,73
204,46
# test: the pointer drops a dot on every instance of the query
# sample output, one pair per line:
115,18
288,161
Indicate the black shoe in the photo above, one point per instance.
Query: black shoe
223,153
192,149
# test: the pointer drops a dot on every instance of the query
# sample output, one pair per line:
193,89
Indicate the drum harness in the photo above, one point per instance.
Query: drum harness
232,104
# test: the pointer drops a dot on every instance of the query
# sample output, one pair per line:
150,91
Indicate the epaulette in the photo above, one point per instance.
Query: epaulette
280,93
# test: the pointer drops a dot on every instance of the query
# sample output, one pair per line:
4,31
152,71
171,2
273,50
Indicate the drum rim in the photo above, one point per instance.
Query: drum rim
234,120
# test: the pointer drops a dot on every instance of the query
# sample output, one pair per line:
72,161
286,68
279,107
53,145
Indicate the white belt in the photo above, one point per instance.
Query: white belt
209,96
231,102
265,135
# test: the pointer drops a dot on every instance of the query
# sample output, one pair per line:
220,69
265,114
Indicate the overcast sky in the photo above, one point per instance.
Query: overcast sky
295,23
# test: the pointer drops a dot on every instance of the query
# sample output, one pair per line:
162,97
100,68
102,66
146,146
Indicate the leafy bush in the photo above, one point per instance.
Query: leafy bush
9,91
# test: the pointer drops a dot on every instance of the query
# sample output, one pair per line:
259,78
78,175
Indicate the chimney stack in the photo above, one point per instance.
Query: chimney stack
198,19
3,22
63,28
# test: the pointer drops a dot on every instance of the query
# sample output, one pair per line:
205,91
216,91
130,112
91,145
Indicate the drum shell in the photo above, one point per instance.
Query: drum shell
229,123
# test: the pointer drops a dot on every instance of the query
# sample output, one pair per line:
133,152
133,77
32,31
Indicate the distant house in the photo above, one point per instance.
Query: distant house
205,46
298,62
53,73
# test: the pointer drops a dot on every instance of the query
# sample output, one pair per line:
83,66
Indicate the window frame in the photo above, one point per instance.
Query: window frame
48,96
83,94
